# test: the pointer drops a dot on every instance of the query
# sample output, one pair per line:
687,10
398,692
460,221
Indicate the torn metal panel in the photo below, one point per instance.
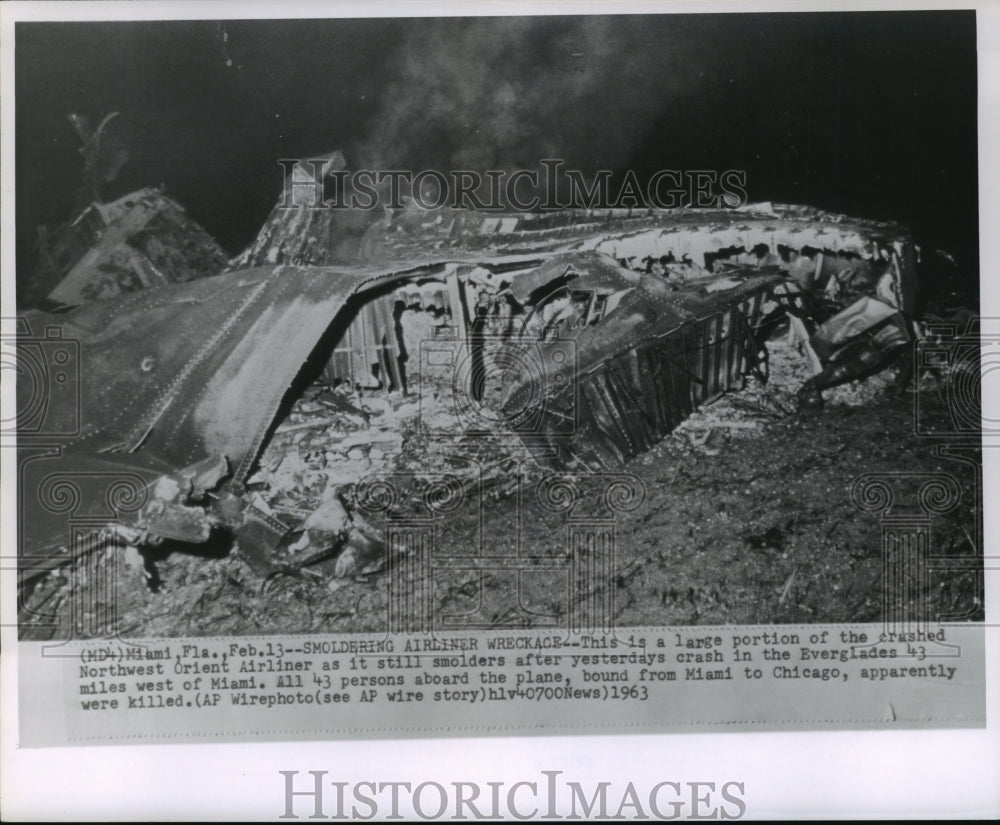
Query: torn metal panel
590,270
300,231
172,512
170,377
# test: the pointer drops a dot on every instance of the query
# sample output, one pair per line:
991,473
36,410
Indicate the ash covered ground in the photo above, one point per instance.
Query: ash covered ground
746,517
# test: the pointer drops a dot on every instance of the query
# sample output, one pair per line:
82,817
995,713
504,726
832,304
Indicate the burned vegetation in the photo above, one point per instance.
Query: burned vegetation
450,419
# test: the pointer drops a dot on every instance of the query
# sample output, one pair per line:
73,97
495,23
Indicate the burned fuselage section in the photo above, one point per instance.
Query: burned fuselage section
250,404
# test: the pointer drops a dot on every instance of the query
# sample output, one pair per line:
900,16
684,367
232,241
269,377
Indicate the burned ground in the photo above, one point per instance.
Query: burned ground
747,517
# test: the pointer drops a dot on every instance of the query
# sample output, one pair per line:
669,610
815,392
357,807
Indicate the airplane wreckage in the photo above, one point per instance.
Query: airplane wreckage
179,411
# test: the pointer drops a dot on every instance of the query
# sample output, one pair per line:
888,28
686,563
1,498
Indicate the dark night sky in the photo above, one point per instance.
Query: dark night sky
872,114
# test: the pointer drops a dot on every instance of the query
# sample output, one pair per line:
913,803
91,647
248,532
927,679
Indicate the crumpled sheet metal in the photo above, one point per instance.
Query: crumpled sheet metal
888,242
591,269
631,400
639,372
862,339
196,369
648,309
850,322
167,378
695,241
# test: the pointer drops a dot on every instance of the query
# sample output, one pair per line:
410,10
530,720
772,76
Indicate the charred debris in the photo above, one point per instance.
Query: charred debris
252,403
107,248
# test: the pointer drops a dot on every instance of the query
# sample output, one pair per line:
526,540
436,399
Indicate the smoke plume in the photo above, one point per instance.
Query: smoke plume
502,93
